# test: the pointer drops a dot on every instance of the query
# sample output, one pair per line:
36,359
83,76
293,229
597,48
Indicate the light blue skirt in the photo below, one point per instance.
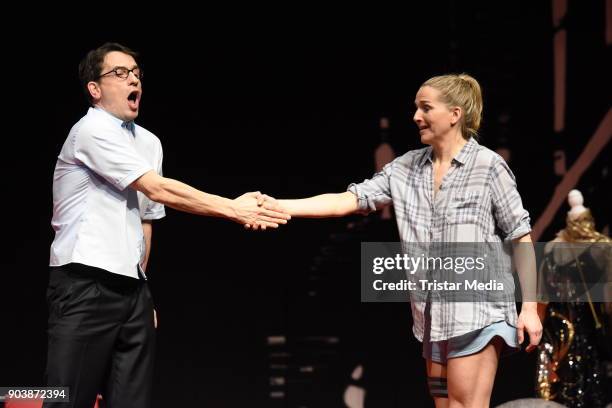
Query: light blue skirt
470,343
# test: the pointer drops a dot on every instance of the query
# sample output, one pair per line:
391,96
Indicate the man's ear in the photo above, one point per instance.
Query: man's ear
456,114
94,90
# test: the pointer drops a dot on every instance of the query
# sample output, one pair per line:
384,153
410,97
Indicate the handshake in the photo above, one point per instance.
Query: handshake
258,211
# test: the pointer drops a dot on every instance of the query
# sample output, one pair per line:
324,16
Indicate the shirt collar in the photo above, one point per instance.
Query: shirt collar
467,151
130,125
462,157
427,156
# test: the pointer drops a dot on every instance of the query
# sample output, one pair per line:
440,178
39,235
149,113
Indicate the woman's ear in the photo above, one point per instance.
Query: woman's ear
456,114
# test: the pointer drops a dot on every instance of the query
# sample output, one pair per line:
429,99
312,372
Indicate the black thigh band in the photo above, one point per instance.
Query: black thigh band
437,387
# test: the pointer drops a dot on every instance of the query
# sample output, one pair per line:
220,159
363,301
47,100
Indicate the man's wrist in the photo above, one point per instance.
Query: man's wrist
228,209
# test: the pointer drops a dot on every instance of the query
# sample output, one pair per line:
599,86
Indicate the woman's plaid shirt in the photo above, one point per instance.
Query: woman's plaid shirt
477,202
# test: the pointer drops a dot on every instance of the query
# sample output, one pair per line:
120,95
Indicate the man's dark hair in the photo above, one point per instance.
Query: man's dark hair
90,67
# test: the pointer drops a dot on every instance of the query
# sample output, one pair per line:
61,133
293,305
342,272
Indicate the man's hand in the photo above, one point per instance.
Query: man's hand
529,321
269,203
251,214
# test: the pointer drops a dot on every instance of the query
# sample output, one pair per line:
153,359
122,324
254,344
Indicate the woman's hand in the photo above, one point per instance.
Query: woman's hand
529,321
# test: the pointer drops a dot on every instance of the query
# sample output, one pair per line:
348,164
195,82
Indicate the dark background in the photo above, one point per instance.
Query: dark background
291,108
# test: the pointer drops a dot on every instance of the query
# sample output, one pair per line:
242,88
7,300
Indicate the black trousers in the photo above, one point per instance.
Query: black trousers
101,337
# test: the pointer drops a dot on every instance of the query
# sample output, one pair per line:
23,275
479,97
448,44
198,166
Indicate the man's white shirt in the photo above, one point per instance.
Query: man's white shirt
96,215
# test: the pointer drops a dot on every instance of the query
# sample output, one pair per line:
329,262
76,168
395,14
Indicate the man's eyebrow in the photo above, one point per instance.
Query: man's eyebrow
122,66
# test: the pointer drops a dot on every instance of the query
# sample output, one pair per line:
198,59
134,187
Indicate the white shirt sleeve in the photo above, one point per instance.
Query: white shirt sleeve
110,154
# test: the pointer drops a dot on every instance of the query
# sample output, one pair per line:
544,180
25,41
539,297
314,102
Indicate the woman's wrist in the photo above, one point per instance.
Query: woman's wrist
529,307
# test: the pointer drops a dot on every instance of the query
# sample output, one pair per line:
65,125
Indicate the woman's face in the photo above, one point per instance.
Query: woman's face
433,117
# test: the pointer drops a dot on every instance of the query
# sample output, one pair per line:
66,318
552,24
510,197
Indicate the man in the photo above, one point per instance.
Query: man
107,187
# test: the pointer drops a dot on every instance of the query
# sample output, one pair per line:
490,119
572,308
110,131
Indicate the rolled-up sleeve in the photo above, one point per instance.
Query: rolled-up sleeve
510,216
375,193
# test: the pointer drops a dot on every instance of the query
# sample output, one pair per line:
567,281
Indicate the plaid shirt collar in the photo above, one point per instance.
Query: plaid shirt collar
462,157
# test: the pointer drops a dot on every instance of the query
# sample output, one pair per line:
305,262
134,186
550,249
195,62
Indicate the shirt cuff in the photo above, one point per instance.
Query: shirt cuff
523,228
154,215
365,205
131,177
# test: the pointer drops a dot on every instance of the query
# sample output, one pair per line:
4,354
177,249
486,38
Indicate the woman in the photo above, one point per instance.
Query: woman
461,342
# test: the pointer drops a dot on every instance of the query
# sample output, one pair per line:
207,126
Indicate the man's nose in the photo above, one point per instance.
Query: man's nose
133,78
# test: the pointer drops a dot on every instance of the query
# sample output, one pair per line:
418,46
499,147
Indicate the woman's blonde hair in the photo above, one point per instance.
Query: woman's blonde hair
461,90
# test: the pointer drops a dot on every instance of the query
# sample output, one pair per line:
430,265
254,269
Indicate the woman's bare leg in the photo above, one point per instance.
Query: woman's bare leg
470,378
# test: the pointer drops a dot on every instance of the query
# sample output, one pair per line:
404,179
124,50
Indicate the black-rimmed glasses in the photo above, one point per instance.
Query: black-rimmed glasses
123,72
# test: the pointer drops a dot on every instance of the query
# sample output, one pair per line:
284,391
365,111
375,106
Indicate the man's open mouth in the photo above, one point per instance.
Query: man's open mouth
133,96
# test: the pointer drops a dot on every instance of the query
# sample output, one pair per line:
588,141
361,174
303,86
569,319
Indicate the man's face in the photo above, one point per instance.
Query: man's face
118,96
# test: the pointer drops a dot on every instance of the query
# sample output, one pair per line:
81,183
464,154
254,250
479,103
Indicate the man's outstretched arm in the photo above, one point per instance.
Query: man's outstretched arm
180,196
